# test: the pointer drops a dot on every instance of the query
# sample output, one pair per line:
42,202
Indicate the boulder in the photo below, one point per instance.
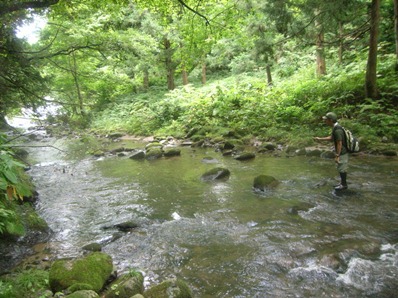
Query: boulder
93,247
153,145
264,182
228,145
92,270
173,288
172,152
245,156
154,153
116,135
117,150
301,152
126,286
314,153
137,155
328,154
216,174
268,147
126,226
390,153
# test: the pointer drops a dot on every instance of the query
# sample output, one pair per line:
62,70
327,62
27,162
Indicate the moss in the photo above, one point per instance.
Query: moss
32,220
172,152
263,182
93,270
170,288
154,153
126,286
216,174
80,287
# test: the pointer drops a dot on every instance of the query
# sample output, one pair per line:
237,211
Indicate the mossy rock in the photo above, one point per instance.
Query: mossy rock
126,226
245,156
328,154
153,145
115,135
264,182
137,155
216,174
98,153
228,145
79,287
268,146
32,220
173,288
93,270
83,294
172,152
314,153
389,153
154,153
126,286
93,247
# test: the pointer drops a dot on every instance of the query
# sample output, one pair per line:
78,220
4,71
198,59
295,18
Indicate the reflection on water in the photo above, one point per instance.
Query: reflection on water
299,240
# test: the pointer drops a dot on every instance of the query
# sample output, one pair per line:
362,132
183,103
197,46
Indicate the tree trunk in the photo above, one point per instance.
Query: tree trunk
145,81
320,53
170,68
341,43
77,85
396,32
3,122
203,73
269,77
371,68
184,76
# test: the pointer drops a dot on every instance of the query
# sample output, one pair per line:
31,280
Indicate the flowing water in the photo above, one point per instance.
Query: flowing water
225,240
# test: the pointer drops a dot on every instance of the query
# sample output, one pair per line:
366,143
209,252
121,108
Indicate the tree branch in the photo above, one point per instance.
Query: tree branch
194,11
6,8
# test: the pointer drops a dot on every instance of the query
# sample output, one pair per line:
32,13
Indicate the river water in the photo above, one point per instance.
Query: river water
225,240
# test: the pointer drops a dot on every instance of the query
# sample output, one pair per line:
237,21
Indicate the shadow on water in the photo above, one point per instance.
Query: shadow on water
300,239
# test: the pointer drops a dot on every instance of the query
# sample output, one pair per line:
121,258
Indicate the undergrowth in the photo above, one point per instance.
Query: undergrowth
289,111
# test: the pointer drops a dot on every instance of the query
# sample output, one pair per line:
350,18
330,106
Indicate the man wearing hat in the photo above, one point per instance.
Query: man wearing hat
340,146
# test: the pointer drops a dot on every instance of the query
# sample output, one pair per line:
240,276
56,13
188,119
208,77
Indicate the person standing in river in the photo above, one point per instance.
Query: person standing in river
340,146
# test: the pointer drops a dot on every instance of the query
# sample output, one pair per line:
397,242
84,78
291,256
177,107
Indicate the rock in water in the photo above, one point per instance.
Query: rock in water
264,182
216,174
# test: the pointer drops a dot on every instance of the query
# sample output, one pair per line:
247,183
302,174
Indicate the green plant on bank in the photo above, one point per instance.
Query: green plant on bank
28,283
14,186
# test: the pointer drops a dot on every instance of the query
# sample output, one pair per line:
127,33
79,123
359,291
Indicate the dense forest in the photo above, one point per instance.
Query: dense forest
208,69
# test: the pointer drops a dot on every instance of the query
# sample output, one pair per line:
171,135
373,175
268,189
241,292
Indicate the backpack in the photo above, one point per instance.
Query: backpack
351,141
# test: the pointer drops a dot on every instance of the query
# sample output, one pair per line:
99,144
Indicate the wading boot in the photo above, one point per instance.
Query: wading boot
343,184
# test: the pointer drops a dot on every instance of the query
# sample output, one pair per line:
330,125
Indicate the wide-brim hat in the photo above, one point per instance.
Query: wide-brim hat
331,116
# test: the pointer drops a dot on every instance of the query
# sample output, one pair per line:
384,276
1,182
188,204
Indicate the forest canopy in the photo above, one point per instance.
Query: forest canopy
265,69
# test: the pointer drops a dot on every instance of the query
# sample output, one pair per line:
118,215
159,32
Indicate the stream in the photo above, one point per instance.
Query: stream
225,240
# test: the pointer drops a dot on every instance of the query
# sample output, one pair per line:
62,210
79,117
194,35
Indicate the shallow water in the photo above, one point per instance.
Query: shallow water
224,239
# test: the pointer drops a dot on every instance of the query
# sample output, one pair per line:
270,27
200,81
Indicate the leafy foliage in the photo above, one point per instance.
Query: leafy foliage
14,185
28,283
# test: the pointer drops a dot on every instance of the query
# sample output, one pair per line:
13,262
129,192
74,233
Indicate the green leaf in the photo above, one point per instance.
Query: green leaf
11,177
3,183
